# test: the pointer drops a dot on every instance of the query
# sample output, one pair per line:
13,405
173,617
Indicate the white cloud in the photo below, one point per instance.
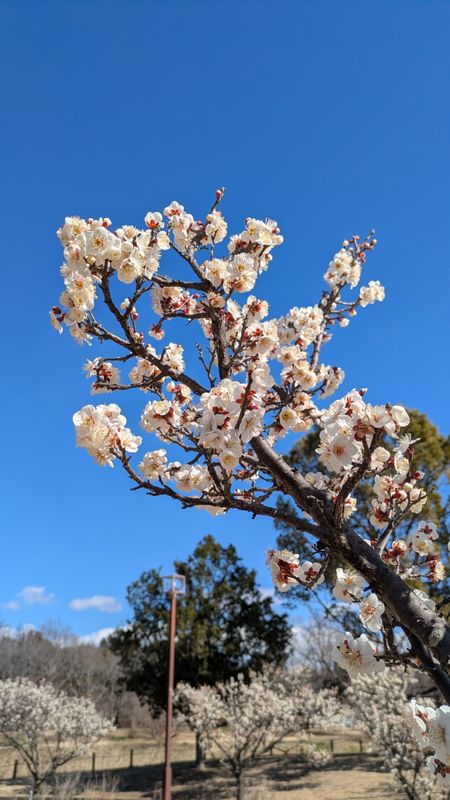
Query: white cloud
31,595
28,596
96,637
99,602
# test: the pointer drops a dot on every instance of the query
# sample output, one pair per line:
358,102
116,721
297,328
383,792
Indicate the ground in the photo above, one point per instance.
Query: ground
351,775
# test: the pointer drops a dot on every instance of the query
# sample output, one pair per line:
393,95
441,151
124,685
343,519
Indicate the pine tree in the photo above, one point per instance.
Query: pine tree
225,625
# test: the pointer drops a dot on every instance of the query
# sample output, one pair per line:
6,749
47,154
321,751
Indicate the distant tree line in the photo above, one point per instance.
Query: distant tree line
55,655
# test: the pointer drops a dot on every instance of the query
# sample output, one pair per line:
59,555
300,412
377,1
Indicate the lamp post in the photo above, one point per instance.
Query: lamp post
177,586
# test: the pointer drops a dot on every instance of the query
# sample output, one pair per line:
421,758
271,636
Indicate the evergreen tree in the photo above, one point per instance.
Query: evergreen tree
225,625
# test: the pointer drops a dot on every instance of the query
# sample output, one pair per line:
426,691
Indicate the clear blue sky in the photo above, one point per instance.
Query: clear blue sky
331,117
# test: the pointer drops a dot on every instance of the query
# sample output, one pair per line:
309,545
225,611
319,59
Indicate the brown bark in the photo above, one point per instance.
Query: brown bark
409,611
240,786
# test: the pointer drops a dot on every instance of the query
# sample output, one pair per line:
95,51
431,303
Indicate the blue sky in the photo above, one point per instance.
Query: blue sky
329,117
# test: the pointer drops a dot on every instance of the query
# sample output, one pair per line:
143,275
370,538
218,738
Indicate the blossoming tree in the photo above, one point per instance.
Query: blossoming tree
223,409
379,704
257,716
46,727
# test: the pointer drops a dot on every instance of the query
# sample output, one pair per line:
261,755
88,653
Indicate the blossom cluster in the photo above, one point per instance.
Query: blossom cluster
357,655
287,571
350,425
432,727
233,411
378,704
101,430
88,244
264,376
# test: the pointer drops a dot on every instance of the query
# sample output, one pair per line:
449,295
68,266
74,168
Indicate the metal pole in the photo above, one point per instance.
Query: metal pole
168,762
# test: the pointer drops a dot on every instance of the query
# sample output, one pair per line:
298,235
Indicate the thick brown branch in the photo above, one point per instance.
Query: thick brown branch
292,482
407,608
440,678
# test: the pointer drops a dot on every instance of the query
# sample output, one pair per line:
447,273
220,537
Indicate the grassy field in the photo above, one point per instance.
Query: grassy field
351,774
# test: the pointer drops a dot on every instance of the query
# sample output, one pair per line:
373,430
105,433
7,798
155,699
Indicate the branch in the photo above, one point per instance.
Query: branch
138,349
292,482
354,479
231,502
410,611
440,678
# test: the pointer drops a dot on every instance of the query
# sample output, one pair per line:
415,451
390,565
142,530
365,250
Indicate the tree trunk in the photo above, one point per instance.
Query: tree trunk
240,786
199,753
35,788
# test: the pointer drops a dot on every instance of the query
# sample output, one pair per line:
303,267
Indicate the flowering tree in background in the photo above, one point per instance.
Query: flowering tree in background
46,727
378,704
252,381
257,716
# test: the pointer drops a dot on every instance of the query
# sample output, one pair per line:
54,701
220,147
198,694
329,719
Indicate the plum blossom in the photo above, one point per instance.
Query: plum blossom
106,375
344,268
419,718
371,293
190,478
421,540
432,727
253,379
216,228
284,567
371,610
160,417
311,573
379,458
349,585
102,431
152,465
356,656
337,451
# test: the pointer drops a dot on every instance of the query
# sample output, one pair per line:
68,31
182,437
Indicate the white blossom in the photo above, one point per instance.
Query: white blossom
152,465
349,585
371,293
356,656
370,612
31,713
